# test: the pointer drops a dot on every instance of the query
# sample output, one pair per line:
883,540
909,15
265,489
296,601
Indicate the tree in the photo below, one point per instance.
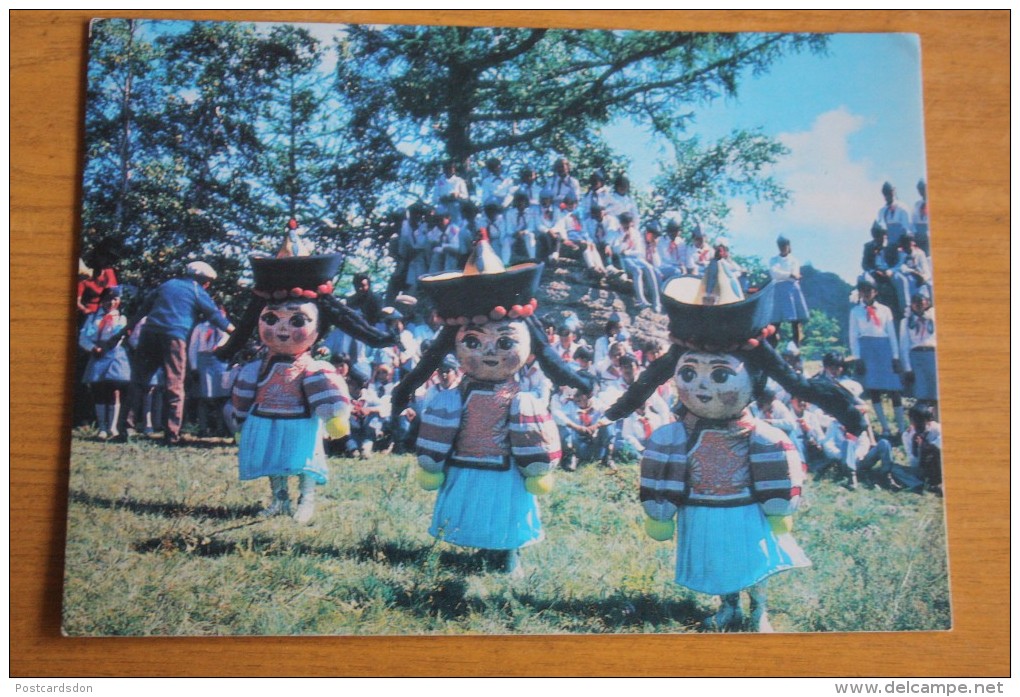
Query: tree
119,122
459,92
701,180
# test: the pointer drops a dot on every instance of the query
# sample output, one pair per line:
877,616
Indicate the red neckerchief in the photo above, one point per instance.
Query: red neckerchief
873,315
647,426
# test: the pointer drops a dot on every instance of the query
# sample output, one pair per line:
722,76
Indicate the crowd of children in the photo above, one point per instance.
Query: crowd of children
457,364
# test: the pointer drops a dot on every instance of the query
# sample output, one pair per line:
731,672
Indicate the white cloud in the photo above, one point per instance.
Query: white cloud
834,198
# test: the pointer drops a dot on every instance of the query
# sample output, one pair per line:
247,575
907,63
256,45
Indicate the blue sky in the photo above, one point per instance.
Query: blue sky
852,119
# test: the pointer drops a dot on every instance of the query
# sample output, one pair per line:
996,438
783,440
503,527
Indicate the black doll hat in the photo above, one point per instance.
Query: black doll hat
712,314
294,272
485,290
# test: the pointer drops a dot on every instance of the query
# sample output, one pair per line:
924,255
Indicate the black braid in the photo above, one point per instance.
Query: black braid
244,328
430,361
659,372
552,364
831,397
352,323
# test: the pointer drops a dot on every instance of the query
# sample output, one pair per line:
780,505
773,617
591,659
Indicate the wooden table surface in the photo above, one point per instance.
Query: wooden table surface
966,97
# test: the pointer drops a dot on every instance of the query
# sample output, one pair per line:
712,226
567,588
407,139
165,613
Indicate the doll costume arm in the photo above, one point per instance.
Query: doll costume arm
777,472
242,396
664,475
534,441
440,421
327,397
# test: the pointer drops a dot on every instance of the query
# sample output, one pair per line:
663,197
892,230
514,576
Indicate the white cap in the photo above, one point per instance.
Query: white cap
199,269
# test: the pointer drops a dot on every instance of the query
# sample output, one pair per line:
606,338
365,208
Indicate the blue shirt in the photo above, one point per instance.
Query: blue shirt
175,306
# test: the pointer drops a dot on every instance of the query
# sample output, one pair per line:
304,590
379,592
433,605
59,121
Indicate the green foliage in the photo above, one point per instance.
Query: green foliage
168,542
821,335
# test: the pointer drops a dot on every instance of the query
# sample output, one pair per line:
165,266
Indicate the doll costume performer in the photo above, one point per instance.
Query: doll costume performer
284,402
730,480
488,446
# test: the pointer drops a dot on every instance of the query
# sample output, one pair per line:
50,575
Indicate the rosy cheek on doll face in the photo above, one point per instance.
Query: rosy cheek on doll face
289,329
713,386
494,351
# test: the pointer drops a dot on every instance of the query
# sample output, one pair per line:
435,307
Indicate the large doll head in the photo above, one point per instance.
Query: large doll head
488,315
714,385
494,351
292,304
719,358
289,328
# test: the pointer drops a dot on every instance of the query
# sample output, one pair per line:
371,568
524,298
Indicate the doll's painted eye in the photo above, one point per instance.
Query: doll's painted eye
505,343
471,341
721,375
688,374
298,320
270,318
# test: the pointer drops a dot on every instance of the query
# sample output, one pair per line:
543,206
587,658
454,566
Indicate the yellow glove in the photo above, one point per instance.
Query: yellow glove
237,436
780,524
338,427
430,481
659,530
539,485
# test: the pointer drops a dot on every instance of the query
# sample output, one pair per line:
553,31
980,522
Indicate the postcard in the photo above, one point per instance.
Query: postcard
420,330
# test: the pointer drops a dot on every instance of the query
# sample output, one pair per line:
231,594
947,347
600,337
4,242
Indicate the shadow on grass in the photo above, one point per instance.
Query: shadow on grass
620,609
267,545
167,509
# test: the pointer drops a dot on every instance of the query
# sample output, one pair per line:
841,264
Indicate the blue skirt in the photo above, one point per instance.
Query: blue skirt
926,379
878,370
724,550
485,509
281,448
210,376
112,366
788,304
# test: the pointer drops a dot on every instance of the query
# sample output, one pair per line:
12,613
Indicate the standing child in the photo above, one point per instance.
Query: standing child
487,446
873,343
917,350
788,303
208,369
729,480
108,371
285,400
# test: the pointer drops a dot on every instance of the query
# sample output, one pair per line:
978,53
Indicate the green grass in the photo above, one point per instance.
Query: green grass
168,542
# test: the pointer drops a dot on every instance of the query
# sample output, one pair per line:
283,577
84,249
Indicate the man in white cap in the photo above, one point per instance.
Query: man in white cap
173,310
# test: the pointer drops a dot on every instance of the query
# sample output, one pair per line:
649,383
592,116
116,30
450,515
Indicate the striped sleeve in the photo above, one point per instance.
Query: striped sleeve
440,421
242,396
777,472
664,471
326,391
534,438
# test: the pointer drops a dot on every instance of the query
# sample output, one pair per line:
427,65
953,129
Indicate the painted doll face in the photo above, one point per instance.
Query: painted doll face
714,385
494,351
289,328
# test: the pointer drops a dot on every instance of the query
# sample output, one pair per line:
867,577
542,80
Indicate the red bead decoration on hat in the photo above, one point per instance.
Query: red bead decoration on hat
515,311
295,292
479,319
498,312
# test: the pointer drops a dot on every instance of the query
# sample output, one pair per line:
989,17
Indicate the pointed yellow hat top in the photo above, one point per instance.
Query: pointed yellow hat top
483,259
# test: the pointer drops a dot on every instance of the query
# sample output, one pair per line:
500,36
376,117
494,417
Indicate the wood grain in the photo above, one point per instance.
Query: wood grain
966,90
